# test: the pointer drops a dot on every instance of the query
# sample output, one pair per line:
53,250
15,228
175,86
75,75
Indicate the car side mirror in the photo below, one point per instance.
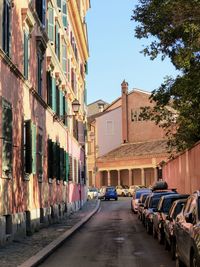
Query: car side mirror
189,218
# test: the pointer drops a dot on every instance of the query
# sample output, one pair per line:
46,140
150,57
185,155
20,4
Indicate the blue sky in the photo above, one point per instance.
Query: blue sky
115,53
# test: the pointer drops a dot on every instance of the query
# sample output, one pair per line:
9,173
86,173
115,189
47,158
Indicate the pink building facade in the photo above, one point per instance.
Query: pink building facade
43,62
183,172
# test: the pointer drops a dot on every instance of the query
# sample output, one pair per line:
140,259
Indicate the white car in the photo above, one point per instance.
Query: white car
92,193
133,188
122,190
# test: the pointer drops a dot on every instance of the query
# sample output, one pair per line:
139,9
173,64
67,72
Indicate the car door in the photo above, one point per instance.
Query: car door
179,229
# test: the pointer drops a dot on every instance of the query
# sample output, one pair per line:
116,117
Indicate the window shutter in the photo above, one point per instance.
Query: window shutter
64,13
54,161
66,112
26,40
39,6
57,161
67,167
61,104
7,138
33,130
59,4
50,22
64,58
27,147
54,94
39,155
61,163
6,27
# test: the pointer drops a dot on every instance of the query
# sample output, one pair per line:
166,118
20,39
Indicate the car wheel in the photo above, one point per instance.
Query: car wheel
123,195
129,194
89,198
116,199
193,262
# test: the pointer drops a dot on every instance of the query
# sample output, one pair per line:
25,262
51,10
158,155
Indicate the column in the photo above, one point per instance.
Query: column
118,177
108,178
155,174
129,177
142,177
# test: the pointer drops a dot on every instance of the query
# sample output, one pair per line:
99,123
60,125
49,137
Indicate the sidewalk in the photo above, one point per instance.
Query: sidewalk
27,252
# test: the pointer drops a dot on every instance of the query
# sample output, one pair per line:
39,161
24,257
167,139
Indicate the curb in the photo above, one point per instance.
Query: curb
46,251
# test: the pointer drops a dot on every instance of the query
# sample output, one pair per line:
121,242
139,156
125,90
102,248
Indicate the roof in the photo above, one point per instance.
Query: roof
137,149
93,108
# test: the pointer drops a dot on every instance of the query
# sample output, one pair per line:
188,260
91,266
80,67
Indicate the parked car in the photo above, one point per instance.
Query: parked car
107,193
133,188
141,204
136,196
92,193
169,223
122,190
161,212
151,206
187,233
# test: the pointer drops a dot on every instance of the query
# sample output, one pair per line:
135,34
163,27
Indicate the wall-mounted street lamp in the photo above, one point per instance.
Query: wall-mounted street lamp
75,110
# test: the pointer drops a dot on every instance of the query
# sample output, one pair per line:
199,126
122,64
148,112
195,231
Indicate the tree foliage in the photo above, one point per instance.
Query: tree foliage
175,28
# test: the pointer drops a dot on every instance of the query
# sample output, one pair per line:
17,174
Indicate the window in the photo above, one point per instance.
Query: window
6,139
41,10
61,114
6,26
39,72
50,159
49,89
57,101
26,55
64,13
50,22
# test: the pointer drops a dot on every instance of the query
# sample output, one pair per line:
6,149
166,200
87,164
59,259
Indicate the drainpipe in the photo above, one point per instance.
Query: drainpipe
124,91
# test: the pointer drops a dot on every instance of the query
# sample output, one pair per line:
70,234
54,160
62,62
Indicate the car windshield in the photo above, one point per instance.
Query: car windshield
110,189
92,189
177,209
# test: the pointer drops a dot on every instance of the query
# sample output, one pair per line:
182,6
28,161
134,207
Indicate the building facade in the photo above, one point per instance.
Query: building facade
43,63
126,150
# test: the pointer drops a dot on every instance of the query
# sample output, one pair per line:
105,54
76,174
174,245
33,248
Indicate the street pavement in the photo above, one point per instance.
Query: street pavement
28,251
113,237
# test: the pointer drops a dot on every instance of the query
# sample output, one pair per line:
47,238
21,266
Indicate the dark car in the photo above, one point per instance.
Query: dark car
110,193
136,196
162,211
151,206
169,223
187,233
141,205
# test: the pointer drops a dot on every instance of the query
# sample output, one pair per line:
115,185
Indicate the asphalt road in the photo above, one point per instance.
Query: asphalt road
114,237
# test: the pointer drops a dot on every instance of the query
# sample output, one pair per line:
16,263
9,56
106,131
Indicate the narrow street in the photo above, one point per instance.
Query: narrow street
114,237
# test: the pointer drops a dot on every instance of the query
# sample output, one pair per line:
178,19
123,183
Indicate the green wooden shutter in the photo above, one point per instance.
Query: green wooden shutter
59,3
57,100
66,112
64,58
57,161
62,167
64,13
50,22
67,167
61,103
33,130
54,94
26,40
6,138
39,154
57,41
54,160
